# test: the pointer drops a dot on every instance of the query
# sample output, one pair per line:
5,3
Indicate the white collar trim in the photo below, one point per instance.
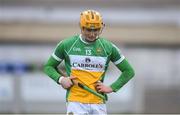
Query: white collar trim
80,36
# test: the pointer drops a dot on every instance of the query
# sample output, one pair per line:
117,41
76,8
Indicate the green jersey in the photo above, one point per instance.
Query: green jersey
87,62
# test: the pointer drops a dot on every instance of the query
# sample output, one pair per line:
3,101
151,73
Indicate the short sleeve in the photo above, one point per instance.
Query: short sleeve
58,53
116,56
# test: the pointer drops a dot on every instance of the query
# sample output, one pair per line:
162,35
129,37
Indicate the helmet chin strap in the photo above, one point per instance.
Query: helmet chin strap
97,37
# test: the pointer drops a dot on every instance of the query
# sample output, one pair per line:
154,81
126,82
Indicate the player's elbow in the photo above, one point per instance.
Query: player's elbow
46,68
131,73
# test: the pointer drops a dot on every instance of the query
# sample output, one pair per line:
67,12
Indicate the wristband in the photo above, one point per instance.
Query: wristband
60,79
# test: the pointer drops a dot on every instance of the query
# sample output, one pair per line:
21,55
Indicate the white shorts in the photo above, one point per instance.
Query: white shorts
81,108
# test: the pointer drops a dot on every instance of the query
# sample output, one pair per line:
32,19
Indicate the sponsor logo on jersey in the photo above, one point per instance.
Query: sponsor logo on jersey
87,60
87,64
92,63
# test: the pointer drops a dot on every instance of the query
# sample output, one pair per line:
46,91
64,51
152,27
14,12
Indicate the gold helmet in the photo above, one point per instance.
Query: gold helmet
91,19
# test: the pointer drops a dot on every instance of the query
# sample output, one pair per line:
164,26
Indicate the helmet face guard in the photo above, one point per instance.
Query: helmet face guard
91,19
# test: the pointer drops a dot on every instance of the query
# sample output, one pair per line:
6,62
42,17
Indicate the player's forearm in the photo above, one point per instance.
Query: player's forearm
52,73
127,74
50,69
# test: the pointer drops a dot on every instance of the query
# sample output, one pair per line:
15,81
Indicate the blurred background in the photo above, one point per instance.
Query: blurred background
146,31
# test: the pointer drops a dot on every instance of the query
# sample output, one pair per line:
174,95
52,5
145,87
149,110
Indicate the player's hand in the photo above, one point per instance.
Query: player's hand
100,87
66,82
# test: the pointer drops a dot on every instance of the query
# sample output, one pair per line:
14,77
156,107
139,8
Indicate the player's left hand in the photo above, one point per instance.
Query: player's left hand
100,87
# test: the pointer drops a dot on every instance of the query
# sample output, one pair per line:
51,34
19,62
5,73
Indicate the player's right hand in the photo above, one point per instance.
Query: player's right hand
66,82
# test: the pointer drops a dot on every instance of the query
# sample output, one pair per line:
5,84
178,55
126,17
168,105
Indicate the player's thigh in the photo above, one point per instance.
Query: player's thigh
77,108
99,109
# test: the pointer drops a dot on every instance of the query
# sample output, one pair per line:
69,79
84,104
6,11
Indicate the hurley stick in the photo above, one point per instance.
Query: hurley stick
85,87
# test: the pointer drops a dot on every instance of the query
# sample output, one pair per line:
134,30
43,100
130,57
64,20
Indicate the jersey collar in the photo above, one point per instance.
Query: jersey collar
80,36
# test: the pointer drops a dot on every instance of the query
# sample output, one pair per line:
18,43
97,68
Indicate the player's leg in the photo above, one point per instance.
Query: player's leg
77,108
99,109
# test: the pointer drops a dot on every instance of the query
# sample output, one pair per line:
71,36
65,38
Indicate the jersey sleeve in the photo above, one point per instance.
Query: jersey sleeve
58,53
116,56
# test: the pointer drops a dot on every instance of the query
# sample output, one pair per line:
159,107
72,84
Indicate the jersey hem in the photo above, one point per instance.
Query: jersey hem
85,102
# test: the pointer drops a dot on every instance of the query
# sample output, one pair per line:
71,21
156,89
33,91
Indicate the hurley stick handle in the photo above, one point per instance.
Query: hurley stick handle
85,87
